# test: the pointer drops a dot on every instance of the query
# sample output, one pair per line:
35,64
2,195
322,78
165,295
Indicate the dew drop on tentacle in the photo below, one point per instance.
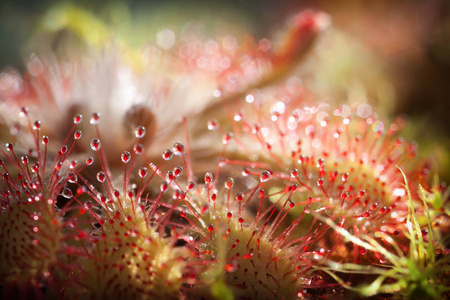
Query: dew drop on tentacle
63,149
167,154
337,133
24,111
294,173
45,140
344,177
227,138
170,176
67,193
190,185
177,171
77,135
77,119
222,162
212,124
238,116
72,177
142,172
102,198
89,161
9,147
178,148
209,178
138,149
164,186
265,176
96,144
95,119
245,172
320,163
239,197
58,166
25,160
139,117
37,125
320,182
181,195
139,132
130,194
229,182
125,157
101,177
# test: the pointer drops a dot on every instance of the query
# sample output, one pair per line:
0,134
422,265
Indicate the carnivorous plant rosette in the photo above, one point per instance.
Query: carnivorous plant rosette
343,162
38,229
264,191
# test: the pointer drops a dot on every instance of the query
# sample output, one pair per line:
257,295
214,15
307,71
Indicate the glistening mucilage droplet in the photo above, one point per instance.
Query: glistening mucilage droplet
167,154
178,148
101,177
142,172
208,178
139,132
229,182
96,144
95,119
265,176
125,157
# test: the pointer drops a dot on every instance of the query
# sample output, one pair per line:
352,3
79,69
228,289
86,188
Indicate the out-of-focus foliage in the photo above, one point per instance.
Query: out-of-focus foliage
393,54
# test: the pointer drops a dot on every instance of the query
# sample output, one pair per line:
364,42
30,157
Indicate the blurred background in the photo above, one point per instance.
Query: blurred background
396,54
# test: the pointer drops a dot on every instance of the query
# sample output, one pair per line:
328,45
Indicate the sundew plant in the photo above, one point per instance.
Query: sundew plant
209,165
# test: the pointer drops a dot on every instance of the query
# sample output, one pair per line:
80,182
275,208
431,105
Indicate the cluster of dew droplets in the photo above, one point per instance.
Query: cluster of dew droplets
252,243
33,241
105,175
128,217
351,178
45,181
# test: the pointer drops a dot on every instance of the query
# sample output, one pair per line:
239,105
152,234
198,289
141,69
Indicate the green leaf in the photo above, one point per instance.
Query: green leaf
221,291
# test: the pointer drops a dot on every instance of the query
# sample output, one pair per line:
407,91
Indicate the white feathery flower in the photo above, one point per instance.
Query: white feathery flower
156,97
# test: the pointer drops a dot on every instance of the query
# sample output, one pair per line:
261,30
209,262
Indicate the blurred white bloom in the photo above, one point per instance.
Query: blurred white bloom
157,95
